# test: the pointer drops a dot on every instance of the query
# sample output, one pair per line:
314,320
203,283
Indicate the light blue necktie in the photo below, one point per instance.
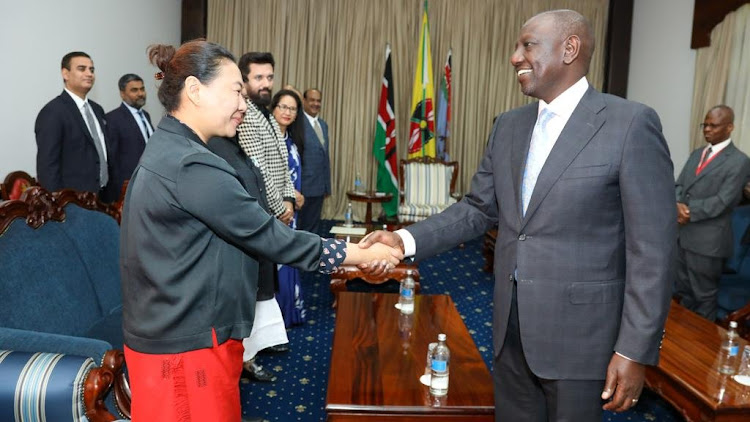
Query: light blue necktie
538,151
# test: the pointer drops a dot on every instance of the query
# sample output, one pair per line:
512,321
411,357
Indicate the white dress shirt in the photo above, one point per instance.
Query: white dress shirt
79,103
562,107
145,131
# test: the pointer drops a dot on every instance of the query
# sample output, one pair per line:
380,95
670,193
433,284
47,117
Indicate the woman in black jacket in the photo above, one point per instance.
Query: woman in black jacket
189,235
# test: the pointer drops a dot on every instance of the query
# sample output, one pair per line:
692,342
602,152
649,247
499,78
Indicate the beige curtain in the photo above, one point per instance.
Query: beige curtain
338,46
738,80
711,74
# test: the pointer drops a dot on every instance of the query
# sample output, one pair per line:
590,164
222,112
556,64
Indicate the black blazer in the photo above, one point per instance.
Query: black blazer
252,180
188,236
66,154
126,134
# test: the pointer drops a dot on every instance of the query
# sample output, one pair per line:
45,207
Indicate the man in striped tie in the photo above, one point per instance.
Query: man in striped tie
708,189
129,126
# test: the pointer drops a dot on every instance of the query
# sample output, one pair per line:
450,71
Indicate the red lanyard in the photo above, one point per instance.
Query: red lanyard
703,163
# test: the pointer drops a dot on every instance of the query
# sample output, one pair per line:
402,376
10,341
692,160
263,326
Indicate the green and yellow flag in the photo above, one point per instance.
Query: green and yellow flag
422,123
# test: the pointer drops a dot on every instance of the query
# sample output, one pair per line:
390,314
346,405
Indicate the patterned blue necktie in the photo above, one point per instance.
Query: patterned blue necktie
539,149
146,132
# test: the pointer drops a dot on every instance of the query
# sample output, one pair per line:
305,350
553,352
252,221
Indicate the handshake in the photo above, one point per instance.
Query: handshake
377,253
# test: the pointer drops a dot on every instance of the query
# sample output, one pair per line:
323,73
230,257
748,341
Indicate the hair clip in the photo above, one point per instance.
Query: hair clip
159,76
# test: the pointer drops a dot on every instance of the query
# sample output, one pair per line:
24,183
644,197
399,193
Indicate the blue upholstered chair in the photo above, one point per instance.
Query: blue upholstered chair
734,285
60,292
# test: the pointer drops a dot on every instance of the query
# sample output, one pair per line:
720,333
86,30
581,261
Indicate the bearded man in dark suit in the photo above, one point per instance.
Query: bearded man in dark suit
129,125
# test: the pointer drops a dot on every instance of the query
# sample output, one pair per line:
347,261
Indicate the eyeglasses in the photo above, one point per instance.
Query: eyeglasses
710,126
283,108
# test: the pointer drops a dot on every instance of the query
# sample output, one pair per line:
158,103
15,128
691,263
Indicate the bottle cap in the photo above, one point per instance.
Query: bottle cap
441,337
732,324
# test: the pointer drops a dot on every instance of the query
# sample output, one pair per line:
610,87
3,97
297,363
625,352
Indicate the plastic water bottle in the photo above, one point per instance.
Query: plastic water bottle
440,368
357,184
730,351
348,219
406,294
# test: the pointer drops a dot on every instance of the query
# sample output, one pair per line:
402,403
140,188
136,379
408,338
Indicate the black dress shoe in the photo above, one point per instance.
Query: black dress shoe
255,372
253,419
279,348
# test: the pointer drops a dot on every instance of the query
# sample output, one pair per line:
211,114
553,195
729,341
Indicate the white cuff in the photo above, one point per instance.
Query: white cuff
620,354
410,246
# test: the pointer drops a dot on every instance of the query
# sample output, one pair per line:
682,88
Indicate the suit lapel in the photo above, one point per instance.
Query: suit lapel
76,113
133,123
583,124
520,149
717,162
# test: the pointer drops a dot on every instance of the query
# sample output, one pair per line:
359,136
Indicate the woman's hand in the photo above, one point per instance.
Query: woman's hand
299,200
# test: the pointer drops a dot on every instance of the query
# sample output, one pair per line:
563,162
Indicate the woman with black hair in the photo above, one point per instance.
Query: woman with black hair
285,106
190,235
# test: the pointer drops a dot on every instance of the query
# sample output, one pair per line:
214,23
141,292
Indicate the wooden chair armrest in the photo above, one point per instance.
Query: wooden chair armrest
742,316
114,362
98,384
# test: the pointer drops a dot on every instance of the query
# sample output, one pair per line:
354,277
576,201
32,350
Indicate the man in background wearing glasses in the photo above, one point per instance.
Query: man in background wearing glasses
708,188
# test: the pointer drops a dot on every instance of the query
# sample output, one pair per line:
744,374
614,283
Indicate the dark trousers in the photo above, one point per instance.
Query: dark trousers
309,215
521,396
697,282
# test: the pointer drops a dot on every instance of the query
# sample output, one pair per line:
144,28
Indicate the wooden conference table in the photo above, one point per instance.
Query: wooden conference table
379,354
687,375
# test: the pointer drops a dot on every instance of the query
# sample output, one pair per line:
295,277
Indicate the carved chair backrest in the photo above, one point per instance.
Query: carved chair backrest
15,184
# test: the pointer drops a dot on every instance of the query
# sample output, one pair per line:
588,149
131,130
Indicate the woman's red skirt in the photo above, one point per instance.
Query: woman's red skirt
200,385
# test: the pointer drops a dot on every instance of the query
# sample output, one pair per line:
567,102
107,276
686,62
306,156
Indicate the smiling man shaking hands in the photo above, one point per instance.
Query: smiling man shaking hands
581,187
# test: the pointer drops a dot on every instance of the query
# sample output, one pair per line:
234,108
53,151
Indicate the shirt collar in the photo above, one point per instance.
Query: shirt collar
311,119
172,124
718,147
131,108
566,102
78,100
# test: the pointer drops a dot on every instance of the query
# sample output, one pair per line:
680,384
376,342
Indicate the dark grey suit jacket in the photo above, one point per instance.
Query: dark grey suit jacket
711,197
316,162
593,253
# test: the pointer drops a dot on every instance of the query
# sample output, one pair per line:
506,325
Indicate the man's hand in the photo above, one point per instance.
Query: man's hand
287,216
683,213
379,236
299,199
623,384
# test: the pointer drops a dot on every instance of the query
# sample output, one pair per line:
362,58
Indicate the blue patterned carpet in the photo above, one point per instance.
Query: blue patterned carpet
299,392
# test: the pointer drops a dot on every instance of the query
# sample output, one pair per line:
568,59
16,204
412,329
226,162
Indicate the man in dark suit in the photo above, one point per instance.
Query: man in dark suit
129,125
708,189
73,149
316,163
580,185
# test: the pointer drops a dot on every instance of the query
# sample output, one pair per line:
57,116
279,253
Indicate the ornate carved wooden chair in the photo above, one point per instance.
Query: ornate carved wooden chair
427,186
15,184
60,302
